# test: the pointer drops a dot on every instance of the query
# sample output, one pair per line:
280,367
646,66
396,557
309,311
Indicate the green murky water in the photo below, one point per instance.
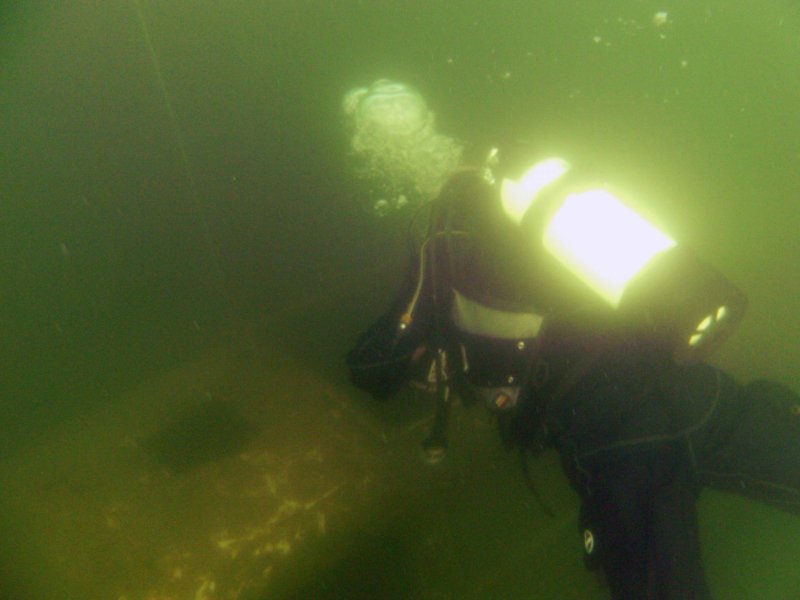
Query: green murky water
183,245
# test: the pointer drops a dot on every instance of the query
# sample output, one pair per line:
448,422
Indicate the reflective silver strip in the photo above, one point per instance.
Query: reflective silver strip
478,319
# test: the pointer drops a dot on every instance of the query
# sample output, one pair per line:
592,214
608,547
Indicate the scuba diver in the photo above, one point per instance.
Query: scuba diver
585,328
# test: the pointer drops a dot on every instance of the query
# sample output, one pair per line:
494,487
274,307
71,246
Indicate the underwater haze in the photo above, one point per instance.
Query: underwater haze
186,256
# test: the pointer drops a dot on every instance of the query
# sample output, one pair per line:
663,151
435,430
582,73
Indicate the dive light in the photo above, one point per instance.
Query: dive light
627,261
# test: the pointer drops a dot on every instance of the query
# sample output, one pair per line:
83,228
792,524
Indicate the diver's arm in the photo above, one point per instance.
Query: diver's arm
383,357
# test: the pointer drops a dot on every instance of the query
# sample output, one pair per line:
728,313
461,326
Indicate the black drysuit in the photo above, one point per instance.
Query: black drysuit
638,434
